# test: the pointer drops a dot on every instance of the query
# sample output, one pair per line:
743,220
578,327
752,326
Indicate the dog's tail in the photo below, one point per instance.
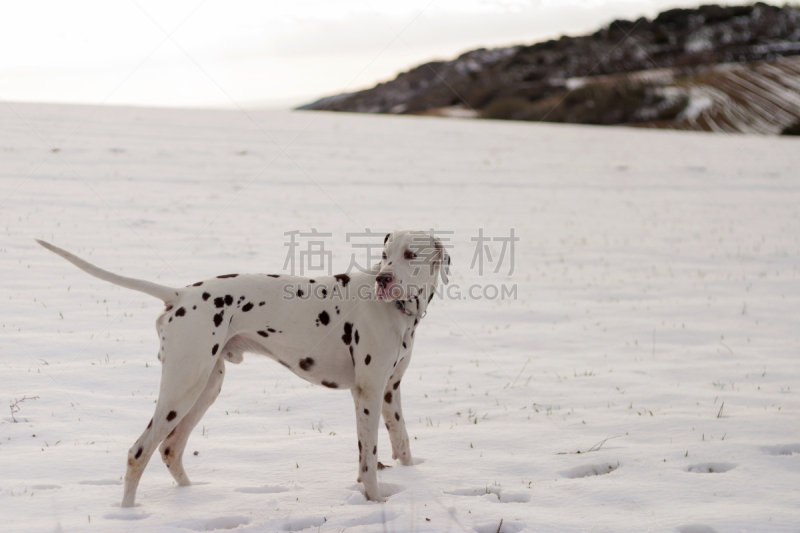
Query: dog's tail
161,292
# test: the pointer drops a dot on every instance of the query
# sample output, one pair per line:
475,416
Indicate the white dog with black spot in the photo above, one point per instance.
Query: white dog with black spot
344,332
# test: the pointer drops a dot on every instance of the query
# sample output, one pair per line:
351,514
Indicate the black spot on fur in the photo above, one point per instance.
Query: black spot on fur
194,307
206,296
312,281
300,293
219,302
375,450
166,451
273,275
180,312
171,416
263,333
197,284
138,454
344,278
397,384
170,319
359,445
228,276
261,303
218,318
356,336
348,333
388,397
366,412
272,330
306,363
228,299
397,417
248,306
214,349
169,308
324,318
150,424
324,293
330,384
386,238
404,344
367,359
431,297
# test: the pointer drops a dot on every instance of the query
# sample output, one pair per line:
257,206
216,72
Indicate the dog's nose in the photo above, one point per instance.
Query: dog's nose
384,279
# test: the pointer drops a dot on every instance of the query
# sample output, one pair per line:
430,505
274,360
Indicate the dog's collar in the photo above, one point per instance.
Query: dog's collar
401,306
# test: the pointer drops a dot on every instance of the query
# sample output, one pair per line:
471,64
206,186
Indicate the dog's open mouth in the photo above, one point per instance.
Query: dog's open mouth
391,292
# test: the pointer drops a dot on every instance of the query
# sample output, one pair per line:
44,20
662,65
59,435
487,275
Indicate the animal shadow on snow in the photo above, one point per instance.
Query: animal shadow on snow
710,468
695,528
781,449
492,493
590,470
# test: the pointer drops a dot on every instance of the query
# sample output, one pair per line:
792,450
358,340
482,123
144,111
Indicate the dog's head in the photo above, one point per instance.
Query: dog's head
411,262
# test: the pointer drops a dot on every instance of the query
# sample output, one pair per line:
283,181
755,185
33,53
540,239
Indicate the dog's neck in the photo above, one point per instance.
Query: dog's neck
415,308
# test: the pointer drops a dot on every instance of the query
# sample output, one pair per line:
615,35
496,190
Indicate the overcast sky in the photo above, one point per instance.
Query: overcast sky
224,53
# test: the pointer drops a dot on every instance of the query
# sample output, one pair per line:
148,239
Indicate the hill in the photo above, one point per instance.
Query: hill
713,68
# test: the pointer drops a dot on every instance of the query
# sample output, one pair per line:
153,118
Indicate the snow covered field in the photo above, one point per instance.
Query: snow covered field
657,277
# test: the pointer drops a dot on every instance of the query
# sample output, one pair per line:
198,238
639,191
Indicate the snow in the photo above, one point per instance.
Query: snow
657,282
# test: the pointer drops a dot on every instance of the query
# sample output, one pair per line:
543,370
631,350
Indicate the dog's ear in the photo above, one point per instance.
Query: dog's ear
442,261
386,238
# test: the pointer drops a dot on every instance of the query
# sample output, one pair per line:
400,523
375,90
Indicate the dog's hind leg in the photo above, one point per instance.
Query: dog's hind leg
173,446
184,376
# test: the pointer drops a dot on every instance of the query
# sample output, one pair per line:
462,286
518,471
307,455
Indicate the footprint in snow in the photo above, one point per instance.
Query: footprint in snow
378,517
598,469
498,526
781,449
695,528
221,522
126,514
100,482
358,497
492,493
297,524
710,468
263,489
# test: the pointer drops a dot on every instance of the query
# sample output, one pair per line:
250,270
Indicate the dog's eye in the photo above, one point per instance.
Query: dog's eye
410,255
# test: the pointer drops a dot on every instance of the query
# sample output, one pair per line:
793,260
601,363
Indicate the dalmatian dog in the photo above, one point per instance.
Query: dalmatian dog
351,332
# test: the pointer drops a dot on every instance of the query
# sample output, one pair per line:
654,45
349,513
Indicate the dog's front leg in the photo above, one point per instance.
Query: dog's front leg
368,399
